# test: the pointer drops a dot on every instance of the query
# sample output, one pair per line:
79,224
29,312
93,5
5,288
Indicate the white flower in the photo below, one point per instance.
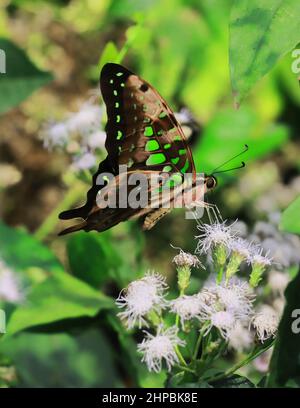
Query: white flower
239,228
186,259
84,161
235,301
240,337
10,288
278,281
265,322
96,140
186,307
212,235
86,120
141,297
257,258
160,347
224,321
241,247
55,135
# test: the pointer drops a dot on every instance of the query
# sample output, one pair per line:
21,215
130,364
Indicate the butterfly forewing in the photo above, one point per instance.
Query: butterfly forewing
142,131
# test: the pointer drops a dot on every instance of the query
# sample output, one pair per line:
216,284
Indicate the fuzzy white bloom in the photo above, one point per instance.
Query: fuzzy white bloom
240,337
240,228
242,247
86,120
160,347
278,281
231,302
265,322
10,288
186,307
55,135
96,140
235,301
186,259
141,297
257,258
212,235
224,321
85,161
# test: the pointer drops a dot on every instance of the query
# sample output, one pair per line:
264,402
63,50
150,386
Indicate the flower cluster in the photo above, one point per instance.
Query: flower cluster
10,287
81,135
226,305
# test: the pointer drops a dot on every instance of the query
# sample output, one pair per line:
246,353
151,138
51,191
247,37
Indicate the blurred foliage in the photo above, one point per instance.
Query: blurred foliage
68,334
261,31
290,220
21,77
285,363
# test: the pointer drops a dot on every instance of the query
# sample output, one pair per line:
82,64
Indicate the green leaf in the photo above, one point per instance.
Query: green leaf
285,363
261,32
234,381
57,298
21,77
62,360
290,219
92,257
21,251
227,133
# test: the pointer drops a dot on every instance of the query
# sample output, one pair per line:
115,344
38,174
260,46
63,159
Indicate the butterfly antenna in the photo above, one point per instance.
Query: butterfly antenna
232,158
233,168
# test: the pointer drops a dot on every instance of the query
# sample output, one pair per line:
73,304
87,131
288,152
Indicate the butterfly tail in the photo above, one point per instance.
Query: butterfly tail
73,228
74,213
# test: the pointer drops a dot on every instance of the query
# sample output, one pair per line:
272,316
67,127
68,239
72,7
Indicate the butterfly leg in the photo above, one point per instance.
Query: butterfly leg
213,212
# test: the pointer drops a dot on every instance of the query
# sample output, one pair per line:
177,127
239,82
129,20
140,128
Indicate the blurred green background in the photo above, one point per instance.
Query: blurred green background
192,52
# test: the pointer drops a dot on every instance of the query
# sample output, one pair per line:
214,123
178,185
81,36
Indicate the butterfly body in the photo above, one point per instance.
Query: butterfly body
143,135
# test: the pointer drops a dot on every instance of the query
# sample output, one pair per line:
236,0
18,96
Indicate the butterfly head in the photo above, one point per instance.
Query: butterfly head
210,182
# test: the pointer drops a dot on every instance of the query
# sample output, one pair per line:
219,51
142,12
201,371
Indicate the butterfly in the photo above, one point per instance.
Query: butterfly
143,134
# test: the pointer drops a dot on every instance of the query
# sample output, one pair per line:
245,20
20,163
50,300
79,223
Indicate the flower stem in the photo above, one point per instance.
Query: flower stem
240,364
180,356
199,340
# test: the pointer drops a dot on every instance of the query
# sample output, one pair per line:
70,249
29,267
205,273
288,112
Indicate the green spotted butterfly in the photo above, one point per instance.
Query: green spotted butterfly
143,134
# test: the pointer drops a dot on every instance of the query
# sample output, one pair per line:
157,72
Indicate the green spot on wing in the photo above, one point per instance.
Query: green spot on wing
119,135
115,92
175,160
162,115
167,146
185,167
117,104
182,152
118,118
119,74
152,145
156,158
167,169
148,131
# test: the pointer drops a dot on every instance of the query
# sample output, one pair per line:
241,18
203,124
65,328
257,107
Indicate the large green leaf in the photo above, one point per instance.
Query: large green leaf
290,220
21,251
62,360
261,31
21,77
234,381
285,363
226,134
57,298
92,257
